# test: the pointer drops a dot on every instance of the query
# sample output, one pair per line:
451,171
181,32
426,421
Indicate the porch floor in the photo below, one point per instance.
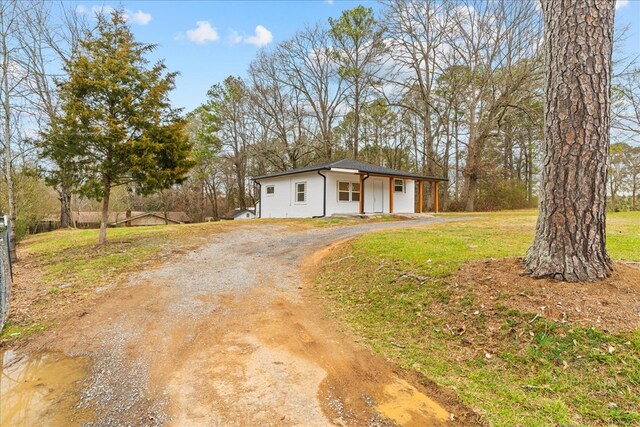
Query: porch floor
398,215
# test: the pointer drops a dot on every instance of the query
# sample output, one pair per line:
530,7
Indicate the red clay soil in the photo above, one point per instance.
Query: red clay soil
611,305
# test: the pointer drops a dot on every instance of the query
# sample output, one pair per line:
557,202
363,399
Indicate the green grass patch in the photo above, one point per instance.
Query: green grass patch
13,332
514,367
73,259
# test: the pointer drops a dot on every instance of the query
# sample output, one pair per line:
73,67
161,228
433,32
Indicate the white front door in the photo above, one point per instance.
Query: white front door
378,193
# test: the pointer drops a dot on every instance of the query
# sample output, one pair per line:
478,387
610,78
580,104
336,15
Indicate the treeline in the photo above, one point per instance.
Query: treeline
441,88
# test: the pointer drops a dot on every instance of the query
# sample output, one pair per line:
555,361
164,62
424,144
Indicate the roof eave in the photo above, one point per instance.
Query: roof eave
277,175
418,177
144,215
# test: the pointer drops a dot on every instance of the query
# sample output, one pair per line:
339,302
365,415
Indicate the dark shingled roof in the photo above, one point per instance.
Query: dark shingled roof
362,167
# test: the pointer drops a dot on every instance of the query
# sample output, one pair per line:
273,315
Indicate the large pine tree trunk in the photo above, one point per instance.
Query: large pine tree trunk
570,235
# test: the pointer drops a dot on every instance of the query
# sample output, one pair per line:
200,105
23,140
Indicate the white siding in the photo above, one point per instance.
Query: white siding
244,215
405,202
282,204
334,206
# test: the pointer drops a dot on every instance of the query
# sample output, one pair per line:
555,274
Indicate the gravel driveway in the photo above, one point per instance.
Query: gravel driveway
230,335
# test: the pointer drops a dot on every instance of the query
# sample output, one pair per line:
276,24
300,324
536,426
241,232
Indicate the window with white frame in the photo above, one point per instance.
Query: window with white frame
301,192
398,185
348,191
271,189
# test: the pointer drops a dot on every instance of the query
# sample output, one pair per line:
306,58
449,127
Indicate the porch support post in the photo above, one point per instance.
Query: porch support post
436,208
361,207
420,196
390,194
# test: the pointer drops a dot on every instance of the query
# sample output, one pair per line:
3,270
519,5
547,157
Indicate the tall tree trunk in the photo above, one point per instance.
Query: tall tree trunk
6,101
64,195
508,154
471,187
634,189
456,134
470,171
328,145
530,177
444,202
163,197
12,204
470,167
105,211
429,153
216,214
356,121
612,188
570,242
242,204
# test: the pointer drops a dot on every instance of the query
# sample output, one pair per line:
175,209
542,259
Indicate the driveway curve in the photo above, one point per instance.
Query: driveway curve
232,334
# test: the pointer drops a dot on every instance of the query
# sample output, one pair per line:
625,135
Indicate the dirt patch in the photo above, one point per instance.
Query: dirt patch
611,305
360,388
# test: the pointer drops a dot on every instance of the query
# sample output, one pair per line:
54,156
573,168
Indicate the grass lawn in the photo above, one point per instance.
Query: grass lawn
398,289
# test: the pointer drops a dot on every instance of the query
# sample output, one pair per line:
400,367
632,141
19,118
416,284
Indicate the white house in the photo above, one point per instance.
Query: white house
341,187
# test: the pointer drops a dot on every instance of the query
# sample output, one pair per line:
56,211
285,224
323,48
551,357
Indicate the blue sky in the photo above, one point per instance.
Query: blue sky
208,41
203,61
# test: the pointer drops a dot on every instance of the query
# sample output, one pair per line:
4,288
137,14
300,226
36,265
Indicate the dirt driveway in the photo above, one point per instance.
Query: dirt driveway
233,335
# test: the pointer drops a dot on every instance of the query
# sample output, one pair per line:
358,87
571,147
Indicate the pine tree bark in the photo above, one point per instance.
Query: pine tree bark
570,241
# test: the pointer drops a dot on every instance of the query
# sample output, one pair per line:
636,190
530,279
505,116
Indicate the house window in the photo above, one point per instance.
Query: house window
271,190
398,185
301,192
348,191
247,216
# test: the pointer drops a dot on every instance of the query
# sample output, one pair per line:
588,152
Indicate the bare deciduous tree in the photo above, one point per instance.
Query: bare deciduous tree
308,67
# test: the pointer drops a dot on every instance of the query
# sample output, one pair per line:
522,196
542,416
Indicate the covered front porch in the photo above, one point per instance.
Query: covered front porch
395,187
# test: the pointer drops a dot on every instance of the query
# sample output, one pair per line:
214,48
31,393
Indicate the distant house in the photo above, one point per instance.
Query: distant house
341,187
91,219
152,218
241,214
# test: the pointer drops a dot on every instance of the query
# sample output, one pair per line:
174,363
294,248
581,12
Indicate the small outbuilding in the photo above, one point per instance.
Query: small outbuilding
242,214
341,187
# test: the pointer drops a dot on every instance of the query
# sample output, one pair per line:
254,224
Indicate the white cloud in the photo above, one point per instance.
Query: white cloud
234,37
261,38
621,3
139,17
101,10
330,1
203,33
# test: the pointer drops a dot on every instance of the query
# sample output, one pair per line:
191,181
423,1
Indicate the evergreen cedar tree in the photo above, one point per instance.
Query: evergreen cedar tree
117,126
570,241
